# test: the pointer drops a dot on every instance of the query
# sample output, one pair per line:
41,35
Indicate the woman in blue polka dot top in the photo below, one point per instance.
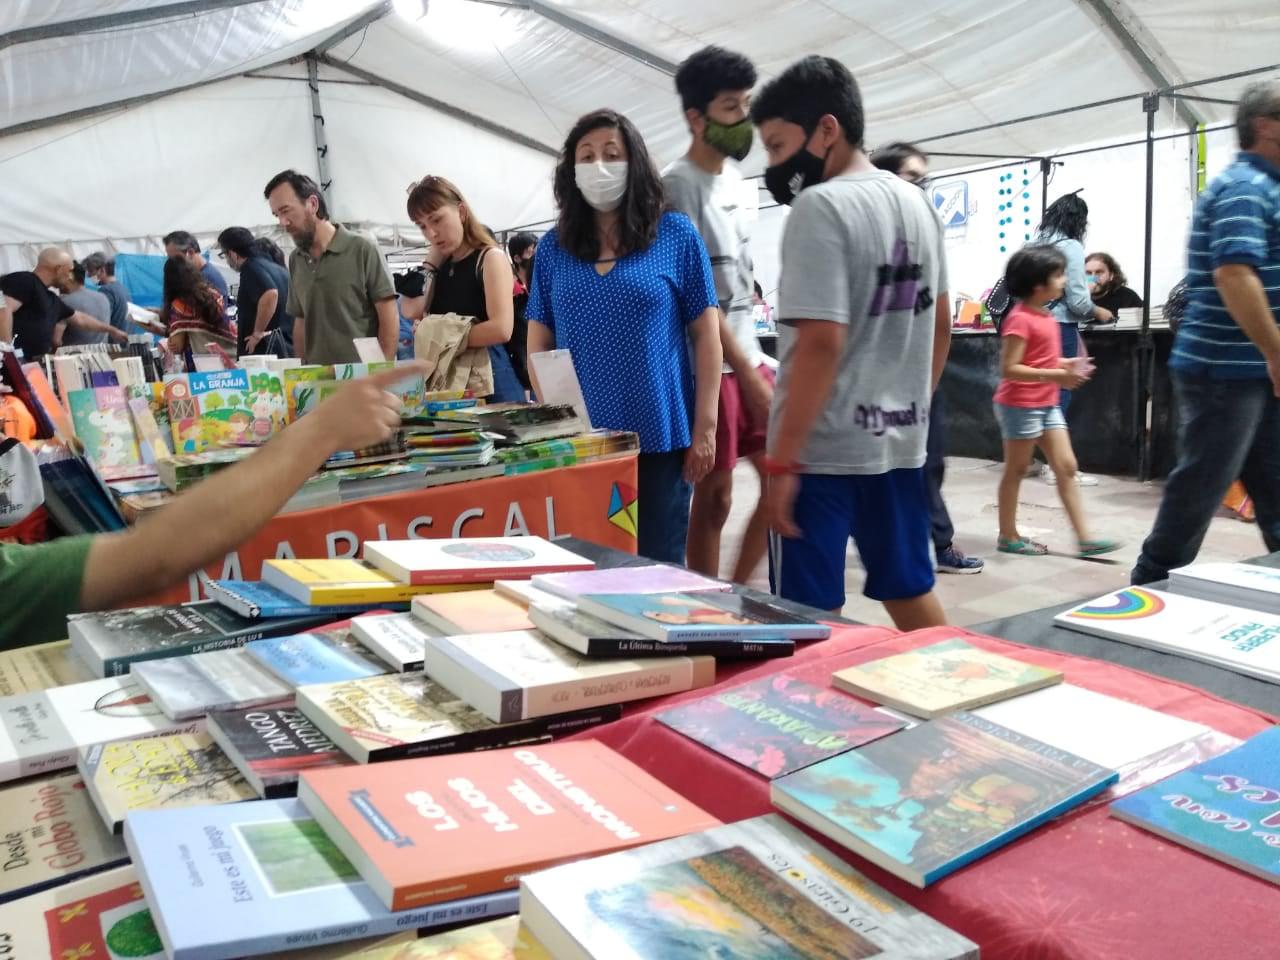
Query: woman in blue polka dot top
625,285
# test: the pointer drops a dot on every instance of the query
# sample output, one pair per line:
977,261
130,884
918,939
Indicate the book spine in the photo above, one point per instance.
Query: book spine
234,601
726,649
550,699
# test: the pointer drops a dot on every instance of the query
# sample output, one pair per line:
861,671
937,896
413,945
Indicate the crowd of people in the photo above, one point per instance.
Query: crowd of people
647,279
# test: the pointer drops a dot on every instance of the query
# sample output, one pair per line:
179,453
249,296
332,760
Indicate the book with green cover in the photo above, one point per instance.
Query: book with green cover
52,835
295,376
208,409
102,422
179,770
777,725
755,890
942,677
930,800
185,469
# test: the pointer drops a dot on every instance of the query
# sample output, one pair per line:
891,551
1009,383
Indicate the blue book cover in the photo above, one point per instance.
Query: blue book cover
307,658
258,877
927,801
256,600
1227,808
705,615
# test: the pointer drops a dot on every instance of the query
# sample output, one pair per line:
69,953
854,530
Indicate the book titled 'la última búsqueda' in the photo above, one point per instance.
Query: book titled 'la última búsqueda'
428,830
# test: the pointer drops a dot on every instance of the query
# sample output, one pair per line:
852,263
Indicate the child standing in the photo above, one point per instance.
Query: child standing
1033,371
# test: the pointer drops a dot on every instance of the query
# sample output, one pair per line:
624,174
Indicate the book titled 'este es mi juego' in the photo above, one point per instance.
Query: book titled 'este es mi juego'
439,828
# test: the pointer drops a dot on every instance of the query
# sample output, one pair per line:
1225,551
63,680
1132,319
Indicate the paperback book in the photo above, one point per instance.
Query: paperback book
398,716
184,470
398,638
1110,732
505,939
525,593
777,725
250,878
929,800
255,600
39,667
521,674
209,409
272,745
471,561
411,390
157,773
185,687
306,376
700,616
52,834
530,422
1227,808
1239,584
479,611
423,831
45,731
655,578
327,583
307,658
755,890
110,643
1246,641
102,915
593,637
943,677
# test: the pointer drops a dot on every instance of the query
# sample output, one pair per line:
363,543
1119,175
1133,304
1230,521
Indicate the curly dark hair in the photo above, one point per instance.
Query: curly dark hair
710,72
183,282
1068,216
642,205
1118,279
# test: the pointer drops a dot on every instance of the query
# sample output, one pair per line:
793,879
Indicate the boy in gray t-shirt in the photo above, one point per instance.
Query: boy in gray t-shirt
864,336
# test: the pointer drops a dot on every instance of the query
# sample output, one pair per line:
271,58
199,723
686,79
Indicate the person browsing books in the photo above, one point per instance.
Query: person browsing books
261,295
861,352
715,94
1033,373
466,274
37,318
626,287
193,312
40,586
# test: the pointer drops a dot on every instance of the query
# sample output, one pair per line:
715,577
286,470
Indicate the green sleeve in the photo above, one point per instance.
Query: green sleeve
39,587
378,283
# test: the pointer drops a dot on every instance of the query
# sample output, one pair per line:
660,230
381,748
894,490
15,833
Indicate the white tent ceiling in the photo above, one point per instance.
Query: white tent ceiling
119,118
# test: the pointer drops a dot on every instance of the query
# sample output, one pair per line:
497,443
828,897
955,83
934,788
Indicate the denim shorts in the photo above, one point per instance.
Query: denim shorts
1028,423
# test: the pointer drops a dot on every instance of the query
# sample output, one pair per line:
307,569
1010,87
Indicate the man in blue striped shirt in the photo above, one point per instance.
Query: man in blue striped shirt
1226,357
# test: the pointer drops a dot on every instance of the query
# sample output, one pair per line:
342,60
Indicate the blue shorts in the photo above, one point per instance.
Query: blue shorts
887,515
1028,423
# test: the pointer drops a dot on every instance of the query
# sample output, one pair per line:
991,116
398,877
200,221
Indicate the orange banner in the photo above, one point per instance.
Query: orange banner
593,501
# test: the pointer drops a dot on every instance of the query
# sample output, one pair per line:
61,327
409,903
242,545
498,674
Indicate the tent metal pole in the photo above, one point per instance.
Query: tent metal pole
117,21
317,126
1146,355
361,22
583,29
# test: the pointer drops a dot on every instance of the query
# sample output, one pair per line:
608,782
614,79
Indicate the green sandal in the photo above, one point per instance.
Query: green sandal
1095,548
1022,547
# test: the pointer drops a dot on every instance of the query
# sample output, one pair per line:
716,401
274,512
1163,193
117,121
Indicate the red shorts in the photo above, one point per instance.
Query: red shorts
738,434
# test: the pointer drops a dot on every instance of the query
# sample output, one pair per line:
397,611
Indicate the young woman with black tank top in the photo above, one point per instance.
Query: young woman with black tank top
467,274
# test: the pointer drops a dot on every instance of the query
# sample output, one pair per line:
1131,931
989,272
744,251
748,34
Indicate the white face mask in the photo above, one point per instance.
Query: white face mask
602,184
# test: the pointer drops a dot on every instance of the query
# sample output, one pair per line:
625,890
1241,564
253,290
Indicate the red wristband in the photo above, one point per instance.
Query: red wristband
778,468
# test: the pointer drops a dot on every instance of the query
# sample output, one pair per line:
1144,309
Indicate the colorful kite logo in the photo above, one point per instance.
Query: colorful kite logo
1133,603
624,511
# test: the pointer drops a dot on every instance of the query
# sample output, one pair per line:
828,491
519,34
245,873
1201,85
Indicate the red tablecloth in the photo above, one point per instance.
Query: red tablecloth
1085,887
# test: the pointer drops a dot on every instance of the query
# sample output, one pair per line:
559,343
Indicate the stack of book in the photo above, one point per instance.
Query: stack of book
1236,584
1246,641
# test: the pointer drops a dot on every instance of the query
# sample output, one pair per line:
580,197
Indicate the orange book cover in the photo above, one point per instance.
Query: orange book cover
439,828
479,611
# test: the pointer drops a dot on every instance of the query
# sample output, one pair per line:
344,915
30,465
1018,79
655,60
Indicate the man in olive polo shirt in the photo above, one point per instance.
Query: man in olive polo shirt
339,288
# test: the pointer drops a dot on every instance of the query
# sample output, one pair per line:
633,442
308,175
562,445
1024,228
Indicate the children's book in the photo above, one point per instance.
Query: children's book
272,745
755,890
209,409
929,800
428,830
52,834
1227,808
294,377
103,424
950,675
245,879
777,725
177,770
411,390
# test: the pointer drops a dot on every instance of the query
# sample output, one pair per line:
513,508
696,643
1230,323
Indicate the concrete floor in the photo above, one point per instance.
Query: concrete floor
1118,508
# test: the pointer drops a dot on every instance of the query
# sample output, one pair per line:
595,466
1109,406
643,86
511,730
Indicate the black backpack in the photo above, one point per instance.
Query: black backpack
998,302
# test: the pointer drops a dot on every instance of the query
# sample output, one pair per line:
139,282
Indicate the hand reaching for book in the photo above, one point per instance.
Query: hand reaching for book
363,414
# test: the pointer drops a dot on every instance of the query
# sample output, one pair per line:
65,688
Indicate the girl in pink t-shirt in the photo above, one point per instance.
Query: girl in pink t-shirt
1026,403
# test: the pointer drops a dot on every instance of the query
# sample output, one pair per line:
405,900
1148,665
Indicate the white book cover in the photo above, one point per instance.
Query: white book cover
1244,583
478,560
398,638
1246,641
1105,730
525,593
45,731
193,685
520,674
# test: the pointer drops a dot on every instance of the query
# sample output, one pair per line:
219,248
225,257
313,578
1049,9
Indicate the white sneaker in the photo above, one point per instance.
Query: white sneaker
1082,479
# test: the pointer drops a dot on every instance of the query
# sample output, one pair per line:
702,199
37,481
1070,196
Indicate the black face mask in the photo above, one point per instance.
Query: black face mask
802,169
